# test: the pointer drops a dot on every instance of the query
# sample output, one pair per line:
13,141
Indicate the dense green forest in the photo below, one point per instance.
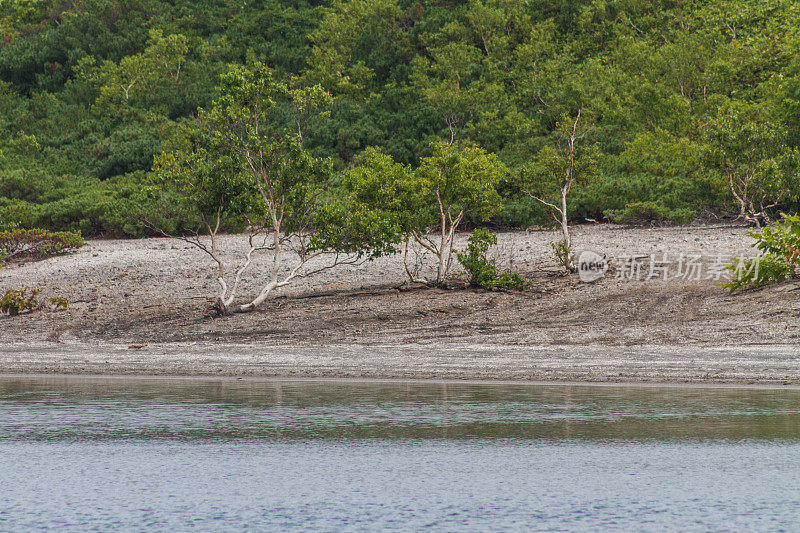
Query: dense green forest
690,107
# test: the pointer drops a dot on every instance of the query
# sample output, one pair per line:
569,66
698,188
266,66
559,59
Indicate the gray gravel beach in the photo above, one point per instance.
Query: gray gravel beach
143,307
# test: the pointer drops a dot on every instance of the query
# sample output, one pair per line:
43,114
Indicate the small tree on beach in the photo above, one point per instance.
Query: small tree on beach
455,181
234,166
561,166
751,151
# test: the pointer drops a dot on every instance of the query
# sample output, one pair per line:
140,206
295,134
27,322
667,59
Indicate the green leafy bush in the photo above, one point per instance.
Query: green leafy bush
16,213
37,244
562,253
779,256
483,271
58,303
646,212
16,301
510,280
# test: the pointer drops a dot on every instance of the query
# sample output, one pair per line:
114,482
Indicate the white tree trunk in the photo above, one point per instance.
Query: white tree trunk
568,260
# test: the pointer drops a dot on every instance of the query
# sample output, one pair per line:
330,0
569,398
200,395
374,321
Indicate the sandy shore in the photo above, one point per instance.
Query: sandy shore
352,322
675,364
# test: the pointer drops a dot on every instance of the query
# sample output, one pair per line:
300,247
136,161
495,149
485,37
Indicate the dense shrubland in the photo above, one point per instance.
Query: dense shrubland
691,107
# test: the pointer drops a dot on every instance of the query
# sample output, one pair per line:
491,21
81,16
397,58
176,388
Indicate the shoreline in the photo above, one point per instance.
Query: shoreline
777,365
172,379
353,323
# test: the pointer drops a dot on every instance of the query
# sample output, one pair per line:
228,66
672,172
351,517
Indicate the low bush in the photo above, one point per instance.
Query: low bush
482,270
16,301
779,256
562,253
510,280
649,212
118,206
37,244
58,303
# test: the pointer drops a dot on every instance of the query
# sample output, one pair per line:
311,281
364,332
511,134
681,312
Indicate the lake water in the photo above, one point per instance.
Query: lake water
92,454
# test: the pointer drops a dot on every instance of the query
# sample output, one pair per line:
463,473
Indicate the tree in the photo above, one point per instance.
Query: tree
446,84
563,165
136,75
240,166
456,181
383,192
751,151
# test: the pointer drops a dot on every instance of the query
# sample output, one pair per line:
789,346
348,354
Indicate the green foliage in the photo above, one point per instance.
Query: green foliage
570,159
779,256
16,301
562,253
482,270
757,272
191,184
58,302
658,178
135,77
378,194
235,166
694,106
511,281
649,212
37,244
750,150
455,180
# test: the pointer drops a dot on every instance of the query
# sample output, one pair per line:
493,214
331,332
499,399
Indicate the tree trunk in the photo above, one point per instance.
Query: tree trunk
276,267
568,259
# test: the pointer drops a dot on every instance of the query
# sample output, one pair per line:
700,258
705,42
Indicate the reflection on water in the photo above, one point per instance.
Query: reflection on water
97,408
82,454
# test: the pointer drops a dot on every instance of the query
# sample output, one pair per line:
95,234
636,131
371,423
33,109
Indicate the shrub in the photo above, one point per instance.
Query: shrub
37,243
17,213
16,301
510,280
779,248
58,303
562,253
483,271
646,212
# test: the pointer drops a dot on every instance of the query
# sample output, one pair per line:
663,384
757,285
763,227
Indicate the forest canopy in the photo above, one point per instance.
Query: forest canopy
692,108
